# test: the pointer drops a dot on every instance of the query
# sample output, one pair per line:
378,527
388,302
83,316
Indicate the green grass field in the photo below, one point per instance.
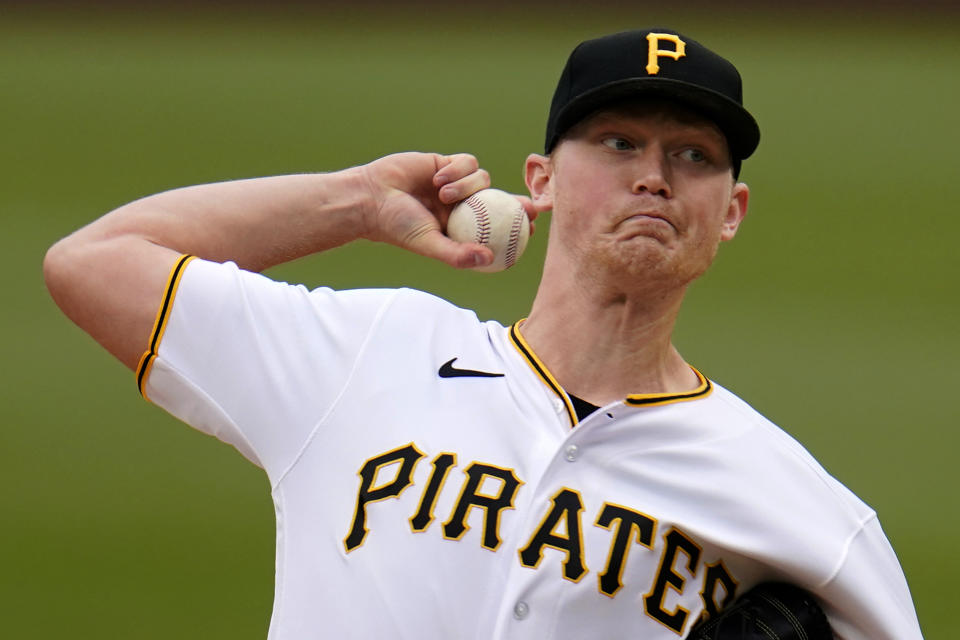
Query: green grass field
834,312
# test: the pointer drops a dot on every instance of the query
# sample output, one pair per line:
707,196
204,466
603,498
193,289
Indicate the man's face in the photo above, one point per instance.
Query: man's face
639,192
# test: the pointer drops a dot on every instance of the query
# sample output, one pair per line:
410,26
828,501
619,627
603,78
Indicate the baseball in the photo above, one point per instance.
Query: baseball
494,219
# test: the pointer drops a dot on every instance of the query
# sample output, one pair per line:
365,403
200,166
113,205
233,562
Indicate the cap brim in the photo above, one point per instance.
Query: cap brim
739,127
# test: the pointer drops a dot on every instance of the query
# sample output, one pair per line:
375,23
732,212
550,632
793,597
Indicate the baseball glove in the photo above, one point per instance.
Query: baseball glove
769,611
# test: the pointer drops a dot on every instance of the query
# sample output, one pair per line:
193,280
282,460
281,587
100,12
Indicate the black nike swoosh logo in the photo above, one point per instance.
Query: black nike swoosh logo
447,370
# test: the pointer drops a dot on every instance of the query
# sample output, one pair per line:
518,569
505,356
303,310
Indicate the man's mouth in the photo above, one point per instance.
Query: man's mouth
651,216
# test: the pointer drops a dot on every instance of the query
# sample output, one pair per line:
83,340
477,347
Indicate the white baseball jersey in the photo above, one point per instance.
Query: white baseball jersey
431,479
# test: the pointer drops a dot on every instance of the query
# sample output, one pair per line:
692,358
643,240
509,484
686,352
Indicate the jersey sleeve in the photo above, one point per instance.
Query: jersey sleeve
255,362
868,598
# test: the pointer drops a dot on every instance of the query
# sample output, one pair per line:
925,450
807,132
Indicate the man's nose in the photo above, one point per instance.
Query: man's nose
652,171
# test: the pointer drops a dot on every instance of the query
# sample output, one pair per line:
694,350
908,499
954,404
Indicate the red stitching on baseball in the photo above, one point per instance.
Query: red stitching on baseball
481,218
512,245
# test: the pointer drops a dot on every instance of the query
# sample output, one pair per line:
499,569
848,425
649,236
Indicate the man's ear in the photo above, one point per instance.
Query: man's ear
736,211
538,172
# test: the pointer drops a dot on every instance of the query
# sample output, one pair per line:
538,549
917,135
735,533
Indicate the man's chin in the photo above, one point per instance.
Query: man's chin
639,258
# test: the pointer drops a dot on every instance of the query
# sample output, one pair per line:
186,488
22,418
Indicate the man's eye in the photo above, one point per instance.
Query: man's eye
693,155
620,144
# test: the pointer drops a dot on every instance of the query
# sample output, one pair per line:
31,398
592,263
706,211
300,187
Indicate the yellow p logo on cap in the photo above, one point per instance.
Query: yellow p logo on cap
654,51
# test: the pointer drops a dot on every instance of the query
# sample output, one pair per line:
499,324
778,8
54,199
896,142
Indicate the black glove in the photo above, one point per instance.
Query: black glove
769,611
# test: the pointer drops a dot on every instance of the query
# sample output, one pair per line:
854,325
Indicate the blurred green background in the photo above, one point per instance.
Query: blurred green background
834,311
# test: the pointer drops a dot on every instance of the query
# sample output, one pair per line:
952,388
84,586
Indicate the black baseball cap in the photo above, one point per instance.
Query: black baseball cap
656,63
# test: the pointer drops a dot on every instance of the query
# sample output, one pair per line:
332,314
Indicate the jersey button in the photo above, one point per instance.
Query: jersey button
521,610
572,453
558,405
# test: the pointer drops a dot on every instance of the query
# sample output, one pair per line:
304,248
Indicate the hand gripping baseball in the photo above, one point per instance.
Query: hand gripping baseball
413,194
769,611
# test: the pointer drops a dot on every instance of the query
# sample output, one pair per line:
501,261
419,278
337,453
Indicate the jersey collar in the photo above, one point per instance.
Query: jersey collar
634,400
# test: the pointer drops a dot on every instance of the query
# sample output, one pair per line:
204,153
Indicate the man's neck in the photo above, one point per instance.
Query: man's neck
602,346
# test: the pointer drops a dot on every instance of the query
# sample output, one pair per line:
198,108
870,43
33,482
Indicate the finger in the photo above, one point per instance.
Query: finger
459,176
454,167
434,244
529,207
465,187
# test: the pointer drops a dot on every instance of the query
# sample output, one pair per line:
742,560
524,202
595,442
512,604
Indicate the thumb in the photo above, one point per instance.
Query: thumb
462,255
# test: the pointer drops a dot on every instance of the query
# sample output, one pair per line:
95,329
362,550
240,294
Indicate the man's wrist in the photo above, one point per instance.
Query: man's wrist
338,207
366,198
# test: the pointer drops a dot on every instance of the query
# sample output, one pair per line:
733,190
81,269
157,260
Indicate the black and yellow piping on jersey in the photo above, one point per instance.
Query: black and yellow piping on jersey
160,324
541,370
634,400
656,399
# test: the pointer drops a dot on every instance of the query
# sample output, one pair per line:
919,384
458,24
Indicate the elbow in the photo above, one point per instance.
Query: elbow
57,269
64,273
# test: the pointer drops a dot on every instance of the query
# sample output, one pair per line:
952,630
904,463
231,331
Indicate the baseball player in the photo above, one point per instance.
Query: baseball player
440,476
